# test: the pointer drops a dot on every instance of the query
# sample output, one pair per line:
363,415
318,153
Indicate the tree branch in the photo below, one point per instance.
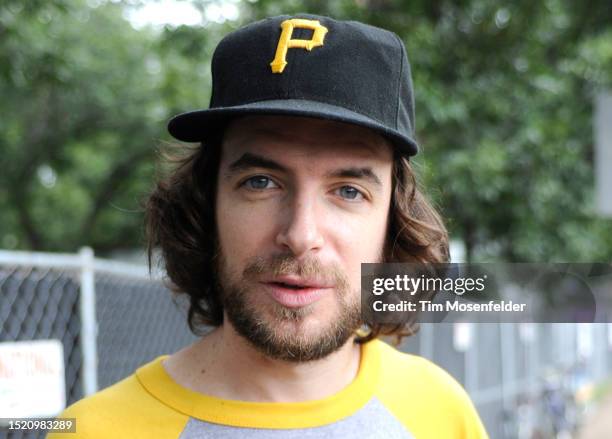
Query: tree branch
111,184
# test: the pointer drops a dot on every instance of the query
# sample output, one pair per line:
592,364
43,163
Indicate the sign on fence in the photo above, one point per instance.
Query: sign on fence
32,379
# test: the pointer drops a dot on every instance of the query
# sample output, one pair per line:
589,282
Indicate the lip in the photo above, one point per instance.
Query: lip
300,281
312,290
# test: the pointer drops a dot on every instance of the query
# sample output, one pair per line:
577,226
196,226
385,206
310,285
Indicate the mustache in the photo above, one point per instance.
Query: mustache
287,264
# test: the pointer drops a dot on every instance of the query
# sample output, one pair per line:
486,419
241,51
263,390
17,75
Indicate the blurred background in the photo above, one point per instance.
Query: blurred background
514,116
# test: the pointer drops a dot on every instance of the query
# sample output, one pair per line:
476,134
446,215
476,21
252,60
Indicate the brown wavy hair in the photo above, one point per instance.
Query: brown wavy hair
180,221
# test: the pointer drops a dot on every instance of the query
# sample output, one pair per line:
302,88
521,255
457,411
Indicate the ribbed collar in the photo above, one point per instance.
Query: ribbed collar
160,385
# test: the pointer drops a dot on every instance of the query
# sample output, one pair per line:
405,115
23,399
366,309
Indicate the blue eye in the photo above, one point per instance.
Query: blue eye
350,193
259,182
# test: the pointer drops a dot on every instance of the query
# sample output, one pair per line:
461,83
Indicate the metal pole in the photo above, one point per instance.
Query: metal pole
508,359
471,372
426,341
89,371
603,153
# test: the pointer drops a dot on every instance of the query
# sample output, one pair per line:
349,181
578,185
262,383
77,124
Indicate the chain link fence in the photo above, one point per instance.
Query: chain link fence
112,317
510,370
137,322
38,303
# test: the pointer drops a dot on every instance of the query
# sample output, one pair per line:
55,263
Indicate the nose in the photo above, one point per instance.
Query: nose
301,231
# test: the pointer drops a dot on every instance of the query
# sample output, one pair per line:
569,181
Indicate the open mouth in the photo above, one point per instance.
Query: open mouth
292,294
290,286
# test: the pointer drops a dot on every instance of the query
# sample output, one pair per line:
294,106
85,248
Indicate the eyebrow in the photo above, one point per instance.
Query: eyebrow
364,173
249,160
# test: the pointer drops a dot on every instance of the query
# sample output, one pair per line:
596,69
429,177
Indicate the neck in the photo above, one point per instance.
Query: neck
223,364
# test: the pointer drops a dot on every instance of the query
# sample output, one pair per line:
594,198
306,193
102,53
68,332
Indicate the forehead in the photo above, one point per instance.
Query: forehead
294,137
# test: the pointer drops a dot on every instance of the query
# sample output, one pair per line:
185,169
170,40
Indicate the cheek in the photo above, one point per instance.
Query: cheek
360,240
241,231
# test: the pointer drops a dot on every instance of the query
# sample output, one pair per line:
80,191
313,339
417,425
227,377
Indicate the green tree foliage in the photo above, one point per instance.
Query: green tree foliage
85,100
504,116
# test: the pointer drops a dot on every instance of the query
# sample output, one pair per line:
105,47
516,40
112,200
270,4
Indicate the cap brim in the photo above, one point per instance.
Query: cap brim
197,126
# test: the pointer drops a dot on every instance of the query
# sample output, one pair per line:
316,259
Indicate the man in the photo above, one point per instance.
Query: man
302,174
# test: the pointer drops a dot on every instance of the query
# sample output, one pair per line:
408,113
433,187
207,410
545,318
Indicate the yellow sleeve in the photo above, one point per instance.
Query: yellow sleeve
123,410
426,399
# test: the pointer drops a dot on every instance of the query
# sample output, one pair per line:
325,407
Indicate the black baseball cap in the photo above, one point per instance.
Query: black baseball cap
313,66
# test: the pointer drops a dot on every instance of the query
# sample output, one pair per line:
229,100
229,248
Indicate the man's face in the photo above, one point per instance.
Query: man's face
301,203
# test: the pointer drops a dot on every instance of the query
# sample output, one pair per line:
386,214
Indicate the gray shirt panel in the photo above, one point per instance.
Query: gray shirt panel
373,421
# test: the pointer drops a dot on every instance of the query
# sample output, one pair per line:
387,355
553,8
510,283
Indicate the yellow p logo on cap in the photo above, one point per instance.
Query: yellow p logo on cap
285,42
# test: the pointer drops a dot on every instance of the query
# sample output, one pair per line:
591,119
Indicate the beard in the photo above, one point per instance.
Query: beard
280,332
